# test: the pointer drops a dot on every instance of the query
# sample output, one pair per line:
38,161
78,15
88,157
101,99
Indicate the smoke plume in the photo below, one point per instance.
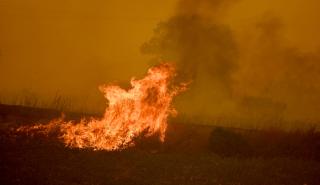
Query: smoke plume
250,75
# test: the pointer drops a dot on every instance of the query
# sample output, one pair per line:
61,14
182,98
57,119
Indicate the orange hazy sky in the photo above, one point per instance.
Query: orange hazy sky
72,46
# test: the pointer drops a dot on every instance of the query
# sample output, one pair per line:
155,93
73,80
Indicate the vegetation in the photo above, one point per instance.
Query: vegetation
39,162
58,101
192,154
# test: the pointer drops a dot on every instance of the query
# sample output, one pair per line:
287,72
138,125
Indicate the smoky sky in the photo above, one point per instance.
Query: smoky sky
195,43
258,76
283,73
247,59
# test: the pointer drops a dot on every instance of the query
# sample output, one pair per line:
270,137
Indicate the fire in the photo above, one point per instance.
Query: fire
143,109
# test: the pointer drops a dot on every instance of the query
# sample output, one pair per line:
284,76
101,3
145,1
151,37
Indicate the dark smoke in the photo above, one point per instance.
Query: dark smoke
204,51
195,44
257,76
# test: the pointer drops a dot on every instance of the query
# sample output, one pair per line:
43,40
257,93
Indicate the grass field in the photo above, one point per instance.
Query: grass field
192,154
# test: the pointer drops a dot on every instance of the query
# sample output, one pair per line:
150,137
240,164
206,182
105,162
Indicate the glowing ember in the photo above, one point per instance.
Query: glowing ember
143,109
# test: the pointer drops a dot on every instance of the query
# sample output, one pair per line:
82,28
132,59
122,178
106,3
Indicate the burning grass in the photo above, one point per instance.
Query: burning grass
39,161
186,157
133,144
141,110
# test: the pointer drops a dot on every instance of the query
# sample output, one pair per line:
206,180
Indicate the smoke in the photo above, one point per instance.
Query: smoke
247,59
253,75
204,51
194,40
281,73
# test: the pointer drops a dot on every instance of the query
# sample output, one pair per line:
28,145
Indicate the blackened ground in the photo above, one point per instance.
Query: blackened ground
191,155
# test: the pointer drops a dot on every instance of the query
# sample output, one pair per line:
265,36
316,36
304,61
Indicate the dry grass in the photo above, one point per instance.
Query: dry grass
58,101
192,154
28,161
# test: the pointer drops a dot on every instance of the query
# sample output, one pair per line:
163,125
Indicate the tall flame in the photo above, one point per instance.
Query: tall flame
143,109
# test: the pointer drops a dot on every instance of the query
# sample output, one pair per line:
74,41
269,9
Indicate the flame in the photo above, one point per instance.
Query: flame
143,109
